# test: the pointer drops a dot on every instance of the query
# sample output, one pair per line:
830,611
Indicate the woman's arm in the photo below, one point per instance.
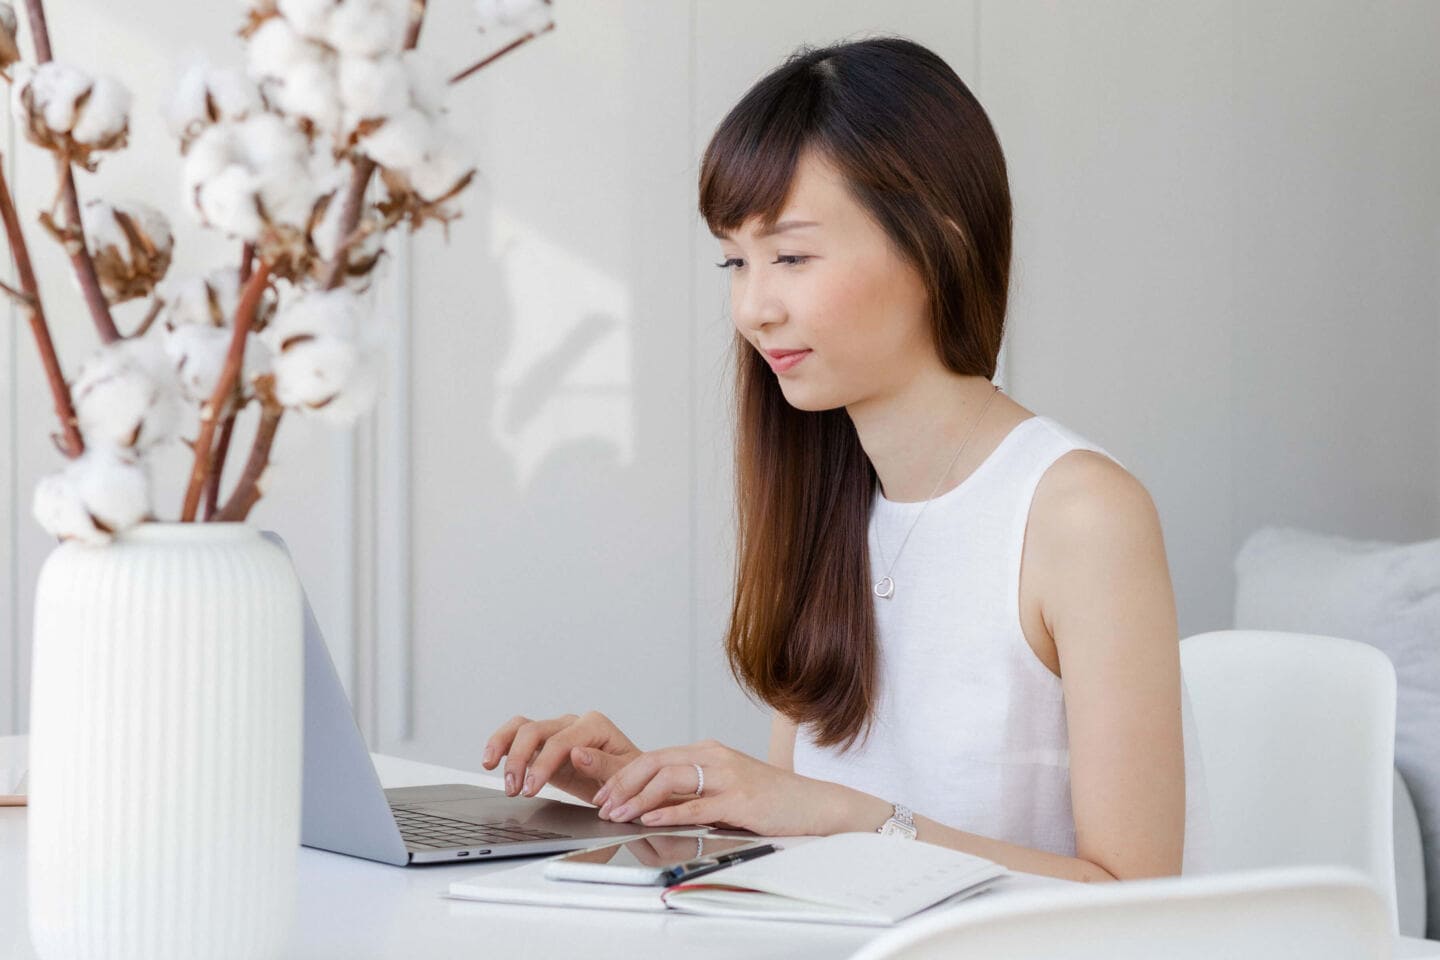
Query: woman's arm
782,742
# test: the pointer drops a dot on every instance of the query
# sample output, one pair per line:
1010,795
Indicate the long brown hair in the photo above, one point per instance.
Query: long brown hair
918,153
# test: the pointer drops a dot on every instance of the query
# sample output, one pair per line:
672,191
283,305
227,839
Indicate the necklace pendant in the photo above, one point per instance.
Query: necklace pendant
885,588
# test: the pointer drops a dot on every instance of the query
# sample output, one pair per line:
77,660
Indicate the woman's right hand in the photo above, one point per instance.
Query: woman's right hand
576,753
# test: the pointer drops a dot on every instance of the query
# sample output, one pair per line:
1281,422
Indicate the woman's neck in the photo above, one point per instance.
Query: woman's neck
910,435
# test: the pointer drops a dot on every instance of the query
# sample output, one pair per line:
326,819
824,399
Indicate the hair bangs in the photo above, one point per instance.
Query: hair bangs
750,162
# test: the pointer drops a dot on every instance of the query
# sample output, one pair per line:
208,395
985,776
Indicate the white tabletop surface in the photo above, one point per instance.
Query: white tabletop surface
355,909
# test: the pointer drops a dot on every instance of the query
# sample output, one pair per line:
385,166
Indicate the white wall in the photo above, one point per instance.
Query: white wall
1228,235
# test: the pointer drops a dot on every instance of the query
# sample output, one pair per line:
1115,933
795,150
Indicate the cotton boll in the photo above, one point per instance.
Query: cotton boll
427,86
105,114
299,74
275,47
401,141
130,244
209,300
308,89
56,89
333,380
57,507
244,176
315,314
125,395
372,88
218,186
63,108
440,171
205,94
228,200
199,353
280,156
186,300
111,402
355,399
368,28
311,372
322,360
113,487
308,17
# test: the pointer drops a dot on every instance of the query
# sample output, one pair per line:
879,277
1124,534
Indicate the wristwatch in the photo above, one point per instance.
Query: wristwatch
901,824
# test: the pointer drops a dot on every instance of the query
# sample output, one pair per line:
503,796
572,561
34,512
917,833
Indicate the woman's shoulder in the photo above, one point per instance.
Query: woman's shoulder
1086,496
1085,482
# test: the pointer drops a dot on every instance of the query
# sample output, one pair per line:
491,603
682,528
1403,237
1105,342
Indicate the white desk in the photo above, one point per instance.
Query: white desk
355,909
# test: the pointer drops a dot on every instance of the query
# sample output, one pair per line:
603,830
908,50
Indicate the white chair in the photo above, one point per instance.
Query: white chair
1319,913
1297,733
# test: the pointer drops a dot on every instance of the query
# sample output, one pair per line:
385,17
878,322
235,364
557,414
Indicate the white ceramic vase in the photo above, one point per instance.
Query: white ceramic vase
165,746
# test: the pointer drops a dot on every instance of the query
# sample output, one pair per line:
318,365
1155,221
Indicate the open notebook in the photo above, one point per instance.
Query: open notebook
851,878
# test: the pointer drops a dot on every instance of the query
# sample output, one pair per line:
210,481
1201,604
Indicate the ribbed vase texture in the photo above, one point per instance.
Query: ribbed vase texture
165,746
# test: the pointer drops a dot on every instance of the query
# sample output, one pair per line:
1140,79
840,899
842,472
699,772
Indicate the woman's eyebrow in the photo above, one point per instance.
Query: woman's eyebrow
780,227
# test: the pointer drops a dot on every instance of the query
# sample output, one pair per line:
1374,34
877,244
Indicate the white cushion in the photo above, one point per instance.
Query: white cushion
1381,593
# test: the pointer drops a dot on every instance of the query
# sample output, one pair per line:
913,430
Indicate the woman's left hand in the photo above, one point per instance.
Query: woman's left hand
740,792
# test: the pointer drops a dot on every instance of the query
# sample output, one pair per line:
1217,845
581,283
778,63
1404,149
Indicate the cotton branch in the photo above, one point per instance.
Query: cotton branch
212,482
38,31
222,450
475,67
247,491
74,241
73,444
204,444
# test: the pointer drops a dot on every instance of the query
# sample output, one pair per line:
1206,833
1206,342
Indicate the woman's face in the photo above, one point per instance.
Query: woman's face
835,289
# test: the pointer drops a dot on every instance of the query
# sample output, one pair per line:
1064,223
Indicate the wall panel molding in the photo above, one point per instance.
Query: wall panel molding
381,577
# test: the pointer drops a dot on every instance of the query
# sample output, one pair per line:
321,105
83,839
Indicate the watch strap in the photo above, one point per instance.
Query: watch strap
900,824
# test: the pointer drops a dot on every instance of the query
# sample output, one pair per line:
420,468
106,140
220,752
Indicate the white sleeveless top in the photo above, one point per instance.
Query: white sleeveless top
969,728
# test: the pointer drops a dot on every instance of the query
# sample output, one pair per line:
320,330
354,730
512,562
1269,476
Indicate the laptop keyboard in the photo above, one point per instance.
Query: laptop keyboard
424,829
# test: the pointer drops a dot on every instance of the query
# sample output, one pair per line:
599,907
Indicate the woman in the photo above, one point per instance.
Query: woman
954,606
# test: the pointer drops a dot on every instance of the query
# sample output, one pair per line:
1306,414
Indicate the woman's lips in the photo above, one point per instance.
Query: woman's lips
786,362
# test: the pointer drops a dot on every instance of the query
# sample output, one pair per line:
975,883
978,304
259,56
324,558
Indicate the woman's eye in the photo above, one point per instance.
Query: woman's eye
793,259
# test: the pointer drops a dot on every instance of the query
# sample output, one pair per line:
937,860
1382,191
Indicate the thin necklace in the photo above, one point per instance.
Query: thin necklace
885,586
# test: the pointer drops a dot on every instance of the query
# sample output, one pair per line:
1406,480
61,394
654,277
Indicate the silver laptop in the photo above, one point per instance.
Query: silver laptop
345,809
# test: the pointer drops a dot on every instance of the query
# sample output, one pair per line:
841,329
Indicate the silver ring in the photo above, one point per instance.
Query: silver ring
700,779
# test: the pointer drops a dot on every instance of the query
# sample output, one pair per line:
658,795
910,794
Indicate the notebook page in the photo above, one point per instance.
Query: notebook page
864,874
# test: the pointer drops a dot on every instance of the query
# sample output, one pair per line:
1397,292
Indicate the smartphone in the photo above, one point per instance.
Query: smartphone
643,861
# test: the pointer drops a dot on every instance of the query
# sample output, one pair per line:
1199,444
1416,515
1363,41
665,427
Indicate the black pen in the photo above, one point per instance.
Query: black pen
694,868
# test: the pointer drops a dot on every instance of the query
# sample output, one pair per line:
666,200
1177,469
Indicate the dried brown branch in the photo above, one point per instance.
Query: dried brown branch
74,243
72,445
38,31
211,411
212,482
476,67
249,489
222,448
